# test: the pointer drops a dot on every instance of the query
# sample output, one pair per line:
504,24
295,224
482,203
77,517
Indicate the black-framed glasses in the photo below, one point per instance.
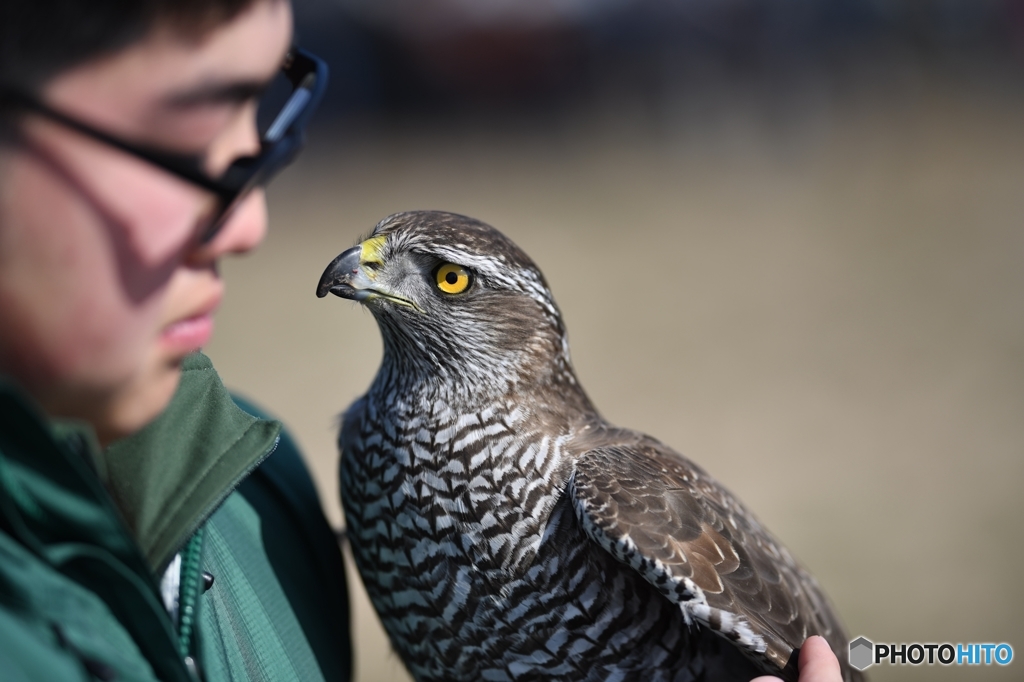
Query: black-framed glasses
281,138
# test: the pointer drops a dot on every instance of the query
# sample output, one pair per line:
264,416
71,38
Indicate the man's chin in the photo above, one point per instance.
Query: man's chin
132,408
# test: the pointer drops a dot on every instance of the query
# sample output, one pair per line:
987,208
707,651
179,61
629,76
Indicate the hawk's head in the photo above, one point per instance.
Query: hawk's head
455,299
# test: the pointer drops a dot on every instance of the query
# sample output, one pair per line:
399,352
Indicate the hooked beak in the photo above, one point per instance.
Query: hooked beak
344,277
351,275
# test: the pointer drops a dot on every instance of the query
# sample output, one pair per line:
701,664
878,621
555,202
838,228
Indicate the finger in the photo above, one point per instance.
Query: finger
818,663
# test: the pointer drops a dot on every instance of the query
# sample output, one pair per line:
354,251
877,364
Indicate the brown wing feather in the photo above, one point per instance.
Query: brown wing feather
662,514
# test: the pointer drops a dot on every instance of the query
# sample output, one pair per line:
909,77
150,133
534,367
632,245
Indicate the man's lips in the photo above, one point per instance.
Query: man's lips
193,332
190,334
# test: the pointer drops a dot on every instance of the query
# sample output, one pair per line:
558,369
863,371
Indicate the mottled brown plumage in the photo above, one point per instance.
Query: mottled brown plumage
503,529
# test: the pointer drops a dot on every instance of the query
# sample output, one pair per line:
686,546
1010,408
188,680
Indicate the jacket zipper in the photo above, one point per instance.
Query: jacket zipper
188,596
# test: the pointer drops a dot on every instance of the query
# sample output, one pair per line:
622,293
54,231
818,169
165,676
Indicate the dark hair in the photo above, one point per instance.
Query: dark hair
41,38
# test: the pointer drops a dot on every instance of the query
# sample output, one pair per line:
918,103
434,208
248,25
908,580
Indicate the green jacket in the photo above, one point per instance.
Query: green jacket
86,539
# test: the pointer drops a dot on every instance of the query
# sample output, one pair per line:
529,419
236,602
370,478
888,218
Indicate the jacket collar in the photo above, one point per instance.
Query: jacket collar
164,481
168,478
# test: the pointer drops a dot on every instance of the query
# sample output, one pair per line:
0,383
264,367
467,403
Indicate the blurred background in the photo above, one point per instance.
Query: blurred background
786,236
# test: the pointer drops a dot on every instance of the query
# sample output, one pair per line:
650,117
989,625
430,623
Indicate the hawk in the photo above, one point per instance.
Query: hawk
503,529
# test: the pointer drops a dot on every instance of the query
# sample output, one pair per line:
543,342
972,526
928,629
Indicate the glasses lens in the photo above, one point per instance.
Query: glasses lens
281,115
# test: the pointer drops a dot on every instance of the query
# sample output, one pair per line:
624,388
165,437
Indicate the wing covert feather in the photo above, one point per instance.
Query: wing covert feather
689,537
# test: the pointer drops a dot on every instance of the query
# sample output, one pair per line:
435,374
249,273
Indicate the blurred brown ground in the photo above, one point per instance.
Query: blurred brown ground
822,304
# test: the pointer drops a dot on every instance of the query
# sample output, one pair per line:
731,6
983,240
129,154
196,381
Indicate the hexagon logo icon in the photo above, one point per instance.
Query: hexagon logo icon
861,653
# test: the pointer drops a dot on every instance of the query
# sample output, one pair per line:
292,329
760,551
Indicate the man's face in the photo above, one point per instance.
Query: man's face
105,285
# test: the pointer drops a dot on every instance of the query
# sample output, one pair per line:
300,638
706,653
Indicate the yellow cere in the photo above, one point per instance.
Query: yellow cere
370,254
452,278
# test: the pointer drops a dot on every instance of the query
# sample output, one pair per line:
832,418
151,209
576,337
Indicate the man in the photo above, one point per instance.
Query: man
149,528
129,549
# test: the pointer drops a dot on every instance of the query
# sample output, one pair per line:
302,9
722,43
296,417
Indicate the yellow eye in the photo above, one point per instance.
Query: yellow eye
452,278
